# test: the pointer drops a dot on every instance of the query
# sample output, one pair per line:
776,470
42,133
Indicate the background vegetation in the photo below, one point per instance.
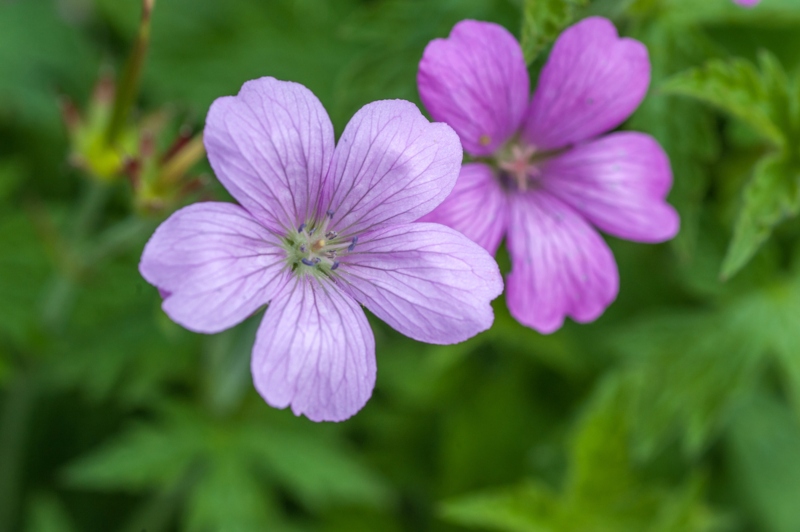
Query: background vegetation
678,410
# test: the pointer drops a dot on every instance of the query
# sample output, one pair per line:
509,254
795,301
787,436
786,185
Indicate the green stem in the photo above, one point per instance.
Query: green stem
128,86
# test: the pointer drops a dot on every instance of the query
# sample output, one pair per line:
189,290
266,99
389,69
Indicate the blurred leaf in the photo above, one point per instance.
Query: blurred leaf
528,507
318,471
47,514
764,445
773,12
759,97
543,21
603,490
771,196
686,129
231,459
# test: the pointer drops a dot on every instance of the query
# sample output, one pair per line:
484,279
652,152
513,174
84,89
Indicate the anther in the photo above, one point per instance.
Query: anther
307,262
330,235
317,260
352,244
301,228
334,265
302,248
329,213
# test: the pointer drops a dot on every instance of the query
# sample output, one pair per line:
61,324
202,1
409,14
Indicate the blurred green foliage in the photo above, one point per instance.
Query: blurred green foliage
678,410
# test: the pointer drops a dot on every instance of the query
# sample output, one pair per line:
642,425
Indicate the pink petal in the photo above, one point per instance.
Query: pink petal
314,351
477,207
214,264
560,265
619,183
391,165
476,81
747,3
591,83
270,146
426,280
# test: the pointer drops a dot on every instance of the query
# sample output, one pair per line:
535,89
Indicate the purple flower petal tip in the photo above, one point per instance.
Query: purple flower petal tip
321,228
484,109
747,3
592,82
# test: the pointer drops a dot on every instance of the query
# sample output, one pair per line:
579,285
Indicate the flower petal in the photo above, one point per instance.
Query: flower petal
391,164
314,351
560,265
427,281
215,265
271,146
619,183
476,81
477,207
591,83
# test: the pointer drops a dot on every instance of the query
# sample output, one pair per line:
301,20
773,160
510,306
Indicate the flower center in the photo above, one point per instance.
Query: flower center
314,247
520,165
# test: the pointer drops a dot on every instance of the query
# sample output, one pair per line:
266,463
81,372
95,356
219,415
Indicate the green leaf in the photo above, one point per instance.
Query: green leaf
737,87
543,21
765,451
772,196
527,507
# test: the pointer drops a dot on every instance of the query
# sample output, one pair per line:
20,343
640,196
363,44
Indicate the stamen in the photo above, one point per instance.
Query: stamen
303,248
301,228
352,246
335,265
329,213
330,235
307,262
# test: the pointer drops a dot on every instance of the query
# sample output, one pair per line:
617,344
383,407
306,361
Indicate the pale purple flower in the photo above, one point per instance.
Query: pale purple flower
747,3
319,230
542,174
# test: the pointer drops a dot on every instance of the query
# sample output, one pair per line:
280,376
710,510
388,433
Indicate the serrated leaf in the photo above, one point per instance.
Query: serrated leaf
765,448
523,508
737,87
771,196
543,21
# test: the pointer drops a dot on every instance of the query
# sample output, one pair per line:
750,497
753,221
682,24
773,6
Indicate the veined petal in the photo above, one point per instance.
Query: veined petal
477,207
314,351
618,182
592,82
426,280
476,81
271,146
560,265
214,264
391,165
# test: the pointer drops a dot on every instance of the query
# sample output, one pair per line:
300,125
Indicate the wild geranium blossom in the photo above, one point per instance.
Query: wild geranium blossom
543,175
317,231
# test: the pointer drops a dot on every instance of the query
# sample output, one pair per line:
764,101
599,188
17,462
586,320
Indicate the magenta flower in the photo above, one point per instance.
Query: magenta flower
542,175
320,230
747,3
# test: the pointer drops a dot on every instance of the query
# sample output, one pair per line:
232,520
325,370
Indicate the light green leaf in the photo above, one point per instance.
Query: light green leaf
772,196
527,507
543,21
759,97
765,450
